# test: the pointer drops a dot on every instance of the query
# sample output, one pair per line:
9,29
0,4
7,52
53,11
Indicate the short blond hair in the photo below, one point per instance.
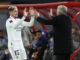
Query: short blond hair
11,8
62,9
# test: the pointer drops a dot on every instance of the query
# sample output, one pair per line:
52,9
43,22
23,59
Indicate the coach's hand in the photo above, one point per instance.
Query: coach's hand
37,14
32,11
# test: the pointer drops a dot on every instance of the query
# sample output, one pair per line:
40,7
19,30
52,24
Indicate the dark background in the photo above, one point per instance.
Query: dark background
32,1
35,1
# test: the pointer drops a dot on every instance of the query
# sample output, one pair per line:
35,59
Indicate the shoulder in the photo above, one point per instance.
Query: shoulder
68,18
8,21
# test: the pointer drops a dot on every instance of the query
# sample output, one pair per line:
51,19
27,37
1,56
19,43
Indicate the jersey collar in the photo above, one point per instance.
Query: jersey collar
13,19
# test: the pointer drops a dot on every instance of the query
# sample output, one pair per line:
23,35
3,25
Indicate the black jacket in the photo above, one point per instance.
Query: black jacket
62,33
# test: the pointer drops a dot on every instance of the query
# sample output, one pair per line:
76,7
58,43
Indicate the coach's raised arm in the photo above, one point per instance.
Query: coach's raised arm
62,32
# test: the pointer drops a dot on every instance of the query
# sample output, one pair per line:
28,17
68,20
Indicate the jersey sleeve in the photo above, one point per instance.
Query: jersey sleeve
15,24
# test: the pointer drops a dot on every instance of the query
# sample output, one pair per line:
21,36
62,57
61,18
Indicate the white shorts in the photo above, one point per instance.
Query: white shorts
17,51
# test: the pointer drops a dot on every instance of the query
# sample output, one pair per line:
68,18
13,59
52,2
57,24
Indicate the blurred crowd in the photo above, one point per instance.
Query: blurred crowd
4,53
38,45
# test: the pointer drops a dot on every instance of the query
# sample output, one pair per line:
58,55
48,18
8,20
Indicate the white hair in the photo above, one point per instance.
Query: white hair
61,9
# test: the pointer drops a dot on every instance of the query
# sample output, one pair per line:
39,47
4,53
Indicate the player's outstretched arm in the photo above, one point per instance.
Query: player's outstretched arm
32,18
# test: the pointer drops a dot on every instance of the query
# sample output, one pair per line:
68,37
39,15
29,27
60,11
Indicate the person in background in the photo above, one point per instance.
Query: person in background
26,38
41,44
76,40
33,47
3,46
62,29
75,37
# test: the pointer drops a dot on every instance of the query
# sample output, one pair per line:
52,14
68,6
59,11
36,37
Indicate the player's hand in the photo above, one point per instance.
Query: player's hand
32,11
25,13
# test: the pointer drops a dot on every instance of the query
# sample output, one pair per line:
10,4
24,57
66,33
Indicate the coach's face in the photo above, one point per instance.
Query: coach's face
15,12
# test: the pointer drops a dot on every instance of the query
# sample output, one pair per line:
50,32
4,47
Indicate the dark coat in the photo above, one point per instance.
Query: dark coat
62,33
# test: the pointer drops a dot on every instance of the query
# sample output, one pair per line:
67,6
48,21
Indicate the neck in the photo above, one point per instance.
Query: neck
12,16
